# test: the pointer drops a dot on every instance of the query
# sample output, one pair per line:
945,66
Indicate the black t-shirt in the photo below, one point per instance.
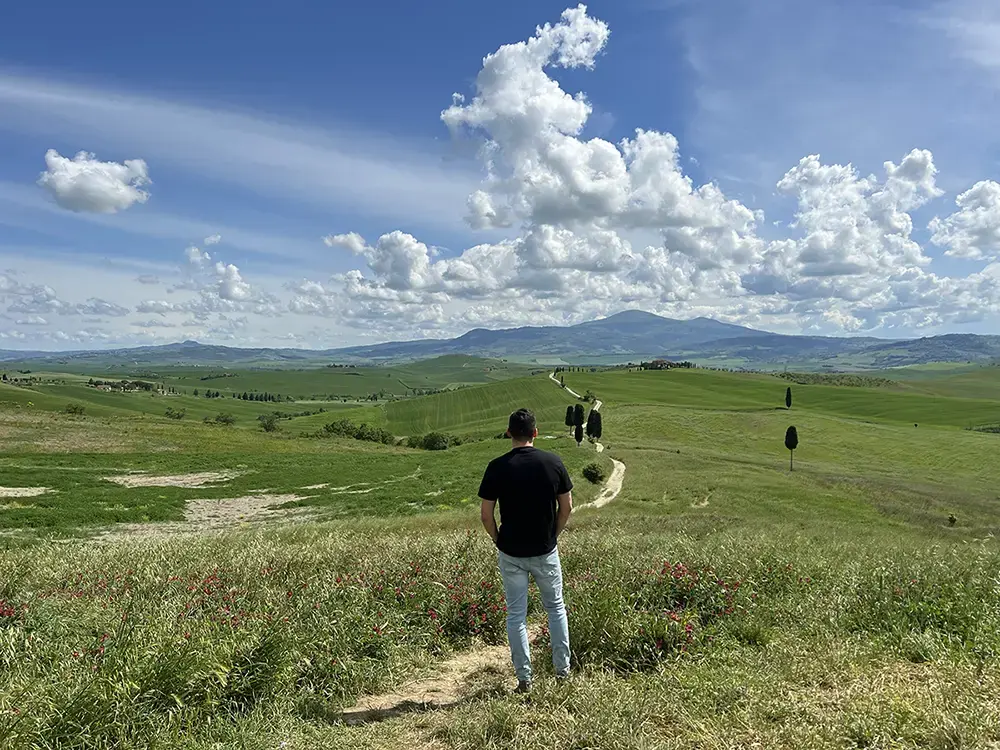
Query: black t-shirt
526,483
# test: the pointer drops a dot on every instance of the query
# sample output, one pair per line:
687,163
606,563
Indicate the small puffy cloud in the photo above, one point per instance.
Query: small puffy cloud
159,307
152,323
33,320
148,279
231,283
95,306
196,256
84,184
215,239
352,241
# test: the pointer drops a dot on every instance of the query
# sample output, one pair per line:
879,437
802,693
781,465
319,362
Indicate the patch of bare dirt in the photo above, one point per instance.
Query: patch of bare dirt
23,491
446,687
200,479
217,514
233,510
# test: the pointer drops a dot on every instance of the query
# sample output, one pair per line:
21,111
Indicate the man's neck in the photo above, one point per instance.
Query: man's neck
522,444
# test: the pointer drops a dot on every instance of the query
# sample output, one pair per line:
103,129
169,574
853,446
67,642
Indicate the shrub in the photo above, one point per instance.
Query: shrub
593,473
225,419
268,422
435,441
363,431
172,413
75,409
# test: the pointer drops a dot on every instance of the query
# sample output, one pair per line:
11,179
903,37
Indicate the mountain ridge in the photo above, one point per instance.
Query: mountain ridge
631,334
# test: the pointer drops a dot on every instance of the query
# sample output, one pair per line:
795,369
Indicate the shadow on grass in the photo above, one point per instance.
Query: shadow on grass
317,711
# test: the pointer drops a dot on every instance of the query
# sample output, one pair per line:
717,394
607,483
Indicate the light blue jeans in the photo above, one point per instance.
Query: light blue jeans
547,572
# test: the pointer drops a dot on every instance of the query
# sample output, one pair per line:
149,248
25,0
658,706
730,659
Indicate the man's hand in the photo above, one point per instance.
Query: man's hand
486,513
565,508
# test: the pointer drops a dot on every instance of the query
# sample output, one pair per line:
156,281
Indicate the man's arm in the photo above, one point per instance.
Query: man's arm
565,508
565,496
489,492
486,513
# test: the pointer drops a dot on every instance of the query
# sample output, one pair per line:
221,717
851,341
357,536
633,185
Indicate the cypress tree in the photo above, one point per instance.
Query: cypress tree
788,398
791,442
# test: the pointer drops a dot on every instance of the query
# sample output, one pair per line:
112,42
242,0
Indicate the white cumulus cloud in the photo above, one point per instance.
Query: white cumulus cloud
84,184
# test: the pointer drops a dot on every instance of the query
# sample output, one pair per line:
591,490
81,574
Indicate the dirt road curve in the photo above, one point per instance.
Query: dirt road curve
617,478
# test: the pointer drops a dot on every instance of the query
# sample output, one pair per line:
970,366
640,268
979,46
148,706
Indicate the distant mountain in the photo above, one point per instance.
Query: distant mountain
628,335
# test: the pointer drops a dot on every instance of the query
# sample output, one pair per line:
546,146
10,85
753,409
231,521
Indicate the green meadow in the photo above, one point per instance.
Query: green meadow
719,601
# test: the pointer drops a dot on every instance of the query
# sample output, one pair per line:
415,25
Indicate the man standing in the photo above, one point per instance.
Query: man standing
533,489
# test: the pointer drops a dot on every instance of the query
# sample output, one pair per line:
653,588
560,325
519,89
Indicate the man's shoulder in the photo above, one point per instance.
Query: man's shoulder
499,461
548,457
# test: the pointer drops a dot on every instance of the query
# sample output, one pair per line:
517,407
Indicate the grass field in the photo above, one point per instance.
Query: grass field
721,601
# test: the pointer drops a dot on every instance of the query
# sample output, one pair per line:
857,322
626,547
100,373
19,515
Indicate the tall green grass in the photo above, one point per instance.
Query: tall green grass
123,645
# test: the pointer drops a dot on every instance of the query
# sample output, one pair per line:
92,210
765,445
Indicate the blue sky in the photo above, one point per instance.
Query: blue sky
275,126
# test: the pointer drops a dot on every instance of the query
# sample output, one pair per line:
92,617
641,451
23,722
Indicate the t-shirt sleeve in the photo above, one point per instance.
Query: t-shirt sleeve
565,483
489,488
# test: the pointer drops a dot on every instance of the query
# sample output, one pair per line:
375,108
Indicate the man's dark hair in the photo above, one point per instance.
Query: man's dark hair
521,425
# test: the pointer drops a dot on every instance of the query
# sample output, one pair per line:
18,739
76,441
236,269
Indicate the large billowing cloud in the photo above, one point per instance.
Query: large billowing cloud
609,225
85,184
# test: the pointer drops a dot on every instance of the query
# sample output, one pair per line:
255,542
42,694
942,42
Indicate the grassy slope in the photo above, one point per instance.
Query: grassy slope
482,410
731,391
91,449
315,382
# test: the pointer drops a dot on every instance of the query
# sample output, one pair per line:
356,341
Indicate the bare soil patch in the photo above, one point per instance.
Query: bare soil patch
205,514
23,491
232,510
200,479
448,685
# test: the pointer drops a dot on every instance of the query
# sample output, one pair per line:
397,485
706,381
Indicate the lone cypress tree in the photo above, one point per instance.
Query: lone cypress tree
788,397
791,442
598,428
579,435
570,420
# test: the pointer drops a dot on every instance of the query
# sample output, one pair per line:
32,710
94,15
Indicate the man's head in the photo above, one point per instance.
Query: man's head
521,426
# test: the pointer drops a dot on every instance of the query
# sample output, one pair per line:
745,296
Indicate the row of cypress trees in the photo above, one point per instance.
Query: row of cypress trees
574,420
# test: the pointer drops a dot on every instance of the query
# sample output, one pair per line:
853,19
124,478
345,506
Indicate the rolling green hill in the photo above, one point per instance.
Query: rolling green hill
712,390
481,410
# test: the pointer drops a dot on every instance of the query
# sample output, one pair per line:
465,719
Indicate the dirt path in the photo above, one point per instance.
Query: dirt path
612,488
617,478
554,379
447,685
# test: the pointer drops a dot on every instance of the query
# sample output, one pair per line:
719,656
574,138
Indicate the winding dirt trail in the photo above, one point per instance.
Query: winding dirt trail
554,379
617,478
445,685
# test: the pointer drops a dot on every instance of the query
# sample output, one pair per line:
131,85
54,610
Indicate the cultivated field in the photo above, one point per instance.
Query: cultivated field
171,583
